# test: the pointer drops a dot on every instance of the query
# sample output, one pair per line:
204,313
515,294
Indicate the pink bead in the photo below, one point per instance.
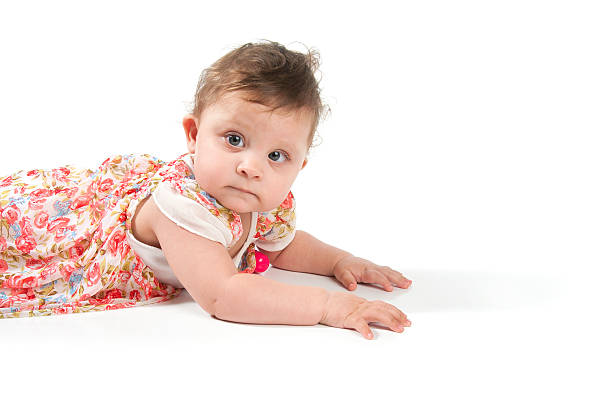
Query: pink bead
261,262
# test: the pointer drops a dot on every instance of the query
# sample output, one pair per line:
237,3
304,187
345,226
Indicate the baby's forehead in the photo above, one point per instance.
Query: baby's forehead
236,104
240,109
240,100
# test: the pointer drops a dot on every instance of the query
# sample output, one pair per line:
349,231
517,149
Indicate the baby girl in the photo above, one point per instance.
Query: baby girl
137,229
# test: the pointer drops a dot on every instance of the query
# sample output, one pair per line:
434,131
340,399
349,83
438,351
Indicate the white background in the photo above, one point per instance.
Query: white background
468,147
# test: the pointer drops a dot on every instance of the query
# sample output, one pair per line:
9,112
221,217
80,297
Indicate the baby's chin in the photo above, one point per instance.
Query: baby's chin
240,206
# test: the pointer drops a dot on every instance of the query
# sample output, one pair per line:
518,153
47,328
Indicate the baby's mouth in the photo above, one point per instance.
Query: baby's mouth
245,191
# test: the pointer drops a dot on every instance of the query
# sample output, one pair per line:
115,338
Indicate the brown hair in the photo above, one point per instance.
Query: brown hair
271,75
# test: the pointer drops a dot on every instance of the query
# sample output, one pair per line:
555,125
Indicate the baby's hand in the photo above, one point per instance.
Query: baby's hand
344,310
351,270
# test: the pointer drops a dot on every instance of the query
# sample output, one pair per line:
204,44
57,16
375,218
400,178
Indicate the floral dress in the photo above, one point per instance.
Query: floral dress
63,235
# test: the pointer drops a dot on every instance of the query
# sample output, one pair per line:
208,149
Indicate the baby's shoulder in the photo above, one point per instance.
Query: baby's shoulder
276,228
179,197
143,222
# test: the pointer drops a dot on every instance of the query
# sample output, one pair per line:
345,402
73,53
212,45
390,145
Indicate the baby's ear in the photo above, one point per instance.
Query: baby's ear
190,125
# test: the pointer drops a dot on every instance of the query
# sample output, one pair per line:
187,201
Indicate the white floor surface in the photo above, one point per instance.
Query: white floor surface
478,339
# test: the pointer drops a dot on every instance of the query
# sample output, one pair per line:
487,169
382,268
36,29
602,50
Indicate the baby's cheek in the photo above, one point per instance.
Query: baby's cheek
209,177
272,200
277,189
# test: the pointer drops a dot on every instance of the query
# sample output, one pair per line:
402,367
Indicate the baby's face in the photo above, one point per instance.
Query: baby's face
247,157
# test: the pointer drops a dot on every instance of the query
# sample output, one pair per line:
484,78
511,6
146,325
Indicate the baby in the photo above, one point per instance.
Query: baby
138,229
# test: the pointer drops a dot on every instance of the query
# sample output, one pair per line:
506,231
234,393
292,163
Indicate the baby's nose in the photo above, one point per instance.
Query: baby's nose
249,169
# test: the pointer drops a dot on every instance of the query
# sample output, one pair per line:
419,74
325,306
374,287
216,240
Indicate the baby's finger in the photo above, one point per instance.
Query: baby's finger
396,277
363,328
347,279
382,315
396,312
376,277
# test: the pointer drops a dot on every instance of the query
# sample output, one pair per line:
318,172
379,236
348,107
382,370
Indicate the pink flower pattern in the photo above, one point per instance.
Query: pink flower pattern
63,245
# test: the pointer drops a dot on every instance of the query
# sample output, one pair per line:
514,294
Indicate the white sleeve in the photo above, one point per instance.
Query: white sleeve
190,215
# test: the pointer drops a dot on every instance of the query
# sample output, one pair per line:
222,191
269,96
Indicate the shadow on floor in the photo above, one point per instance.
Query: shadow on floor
447,291
480,291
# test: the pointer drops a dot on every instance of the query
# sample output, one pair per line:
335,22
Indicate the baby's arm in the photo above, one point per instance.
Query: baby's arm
206,270
307,254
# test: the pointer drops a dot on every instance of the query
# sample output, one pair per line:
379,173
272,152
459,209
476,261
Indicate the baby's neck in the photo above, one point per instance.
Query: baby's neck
245,217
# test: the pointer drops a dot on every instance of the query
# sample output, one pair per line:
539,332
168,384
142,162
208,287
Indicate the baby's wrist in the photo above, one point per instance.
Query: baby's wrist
324,315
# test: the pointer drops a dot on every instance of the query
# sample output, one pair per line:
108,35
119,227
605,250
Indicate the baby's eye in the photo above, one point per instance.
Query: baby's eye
277,156
234,140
